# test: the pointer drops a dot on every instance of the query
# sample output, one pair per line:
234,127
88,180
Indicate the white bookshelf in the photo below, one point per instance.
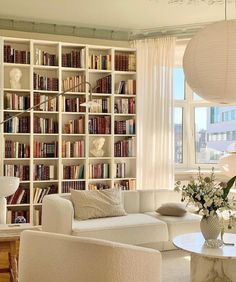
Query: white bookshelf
50,127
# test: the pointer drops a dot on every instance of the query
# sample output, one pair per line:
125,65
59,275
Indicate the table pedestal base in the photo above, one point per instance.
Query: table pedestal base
206,269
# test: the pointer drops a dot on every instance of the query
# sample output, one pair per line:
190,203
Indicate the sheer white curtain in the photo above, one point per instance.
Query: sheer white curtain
155,131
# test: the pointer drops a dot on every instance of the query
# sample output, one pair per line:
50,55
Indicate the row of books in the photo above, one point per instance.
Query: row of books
125,126
72,149
73,82
45,125
17,124
40,192
44,58
119,170
125,148
37,216
126,87
100,62
124,106
74,126
75,185
128,184
72,104
45,149
48,103
125,62
104,85
99,125
13,214
17,170
74,59
98,186
102,107
15,149
45,83
14,101
21,196
73,171
12,55
43,172
100,170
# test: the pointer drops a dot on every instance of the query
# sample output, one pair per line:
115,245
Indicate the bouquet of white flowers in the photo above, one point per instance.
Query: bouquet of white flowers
205,193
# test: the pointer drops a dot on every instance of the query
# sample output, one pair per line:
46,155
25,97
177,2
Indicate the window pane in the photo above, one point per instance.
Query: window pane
196,97
178,84
215,132
178,122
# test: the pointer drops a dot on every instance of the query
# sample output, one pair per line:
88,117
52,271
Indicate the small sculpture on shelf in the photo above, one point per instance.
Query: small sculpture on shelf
15,76
20,219
97,150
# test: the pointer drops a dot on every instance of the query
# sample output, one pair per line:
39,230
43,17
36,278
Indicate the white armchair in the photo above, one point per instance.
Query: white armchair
51,257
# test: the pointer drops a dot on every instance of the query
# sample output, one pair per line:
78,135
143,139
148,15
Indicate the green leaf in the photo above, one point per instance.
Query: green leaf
230,183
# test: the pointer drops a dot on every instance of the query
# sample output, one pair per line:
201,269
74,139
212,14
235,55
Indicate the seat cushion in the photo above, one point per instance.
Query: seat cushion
130,229
188,223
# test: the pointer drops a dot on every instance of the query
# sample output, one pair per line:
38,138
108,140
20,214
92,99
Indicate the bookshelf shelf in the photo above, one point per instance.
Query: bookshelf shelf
49,68
45,67
99,71
16,64
125,72
16,90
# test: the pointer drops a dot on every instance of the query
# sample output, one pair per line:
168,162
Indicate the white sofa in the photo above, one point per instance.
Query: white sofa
47,257
141,226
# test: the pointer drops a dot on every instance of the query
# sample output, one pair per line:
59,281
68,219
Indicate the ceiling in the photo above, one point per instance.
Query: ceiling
136,16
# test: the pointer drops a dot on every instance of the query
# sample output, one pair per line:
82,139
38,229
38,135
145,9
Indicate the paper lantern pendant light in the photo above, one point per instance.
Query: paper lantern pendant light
209,62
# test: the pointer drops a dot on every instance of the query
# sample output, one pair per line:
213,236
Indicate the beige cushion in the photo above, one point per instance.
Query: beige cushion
172,209
97,203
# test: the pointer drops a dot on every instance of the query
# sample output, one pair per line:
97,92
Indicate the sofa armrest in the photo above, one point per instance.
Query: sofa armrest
57,214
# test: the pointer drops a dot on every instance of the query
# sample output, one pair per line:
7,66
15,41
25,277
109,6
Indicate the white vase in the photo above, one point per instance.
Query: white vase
210,227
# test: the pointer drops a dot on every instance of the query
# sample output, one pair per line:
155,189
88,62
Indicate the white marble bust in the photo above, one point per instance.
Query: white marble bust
15,76
97,150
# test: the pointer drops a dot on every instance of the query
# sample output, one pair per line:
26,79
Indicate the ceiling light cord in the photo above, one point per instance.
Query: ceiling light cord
225,10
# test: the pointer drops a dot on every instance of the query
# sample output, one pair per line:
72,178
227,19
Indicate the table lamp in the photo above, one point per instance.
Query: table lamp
9,184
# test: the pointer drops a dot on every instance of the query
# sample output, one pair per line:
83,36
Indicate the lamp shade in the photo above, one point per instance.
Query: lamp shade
227,164
209,62
8,185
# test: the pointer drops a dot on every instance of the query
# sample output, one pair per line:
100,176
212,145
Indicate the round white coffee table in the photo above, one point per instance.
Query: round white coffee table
209,264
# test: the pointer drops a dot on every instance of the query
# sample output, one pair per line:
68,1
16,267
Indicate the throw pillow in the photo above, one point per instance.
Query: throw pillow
97,203
172,209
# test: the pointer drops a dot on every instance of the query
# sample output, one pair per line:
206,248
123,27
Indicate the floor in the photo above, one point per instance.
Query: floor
175,266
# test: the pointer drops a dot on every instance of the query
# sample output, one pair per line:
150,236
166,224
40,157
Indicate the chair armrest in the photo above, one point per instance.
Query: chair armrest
57,214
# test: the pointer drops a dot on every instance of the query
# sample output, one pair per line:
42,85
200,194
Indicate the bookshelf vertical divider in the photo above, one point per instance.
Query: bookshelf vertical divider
50,148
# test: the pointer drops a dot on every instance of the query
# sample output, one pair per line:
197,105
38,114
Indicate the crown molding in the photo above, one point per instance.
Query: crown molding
181,31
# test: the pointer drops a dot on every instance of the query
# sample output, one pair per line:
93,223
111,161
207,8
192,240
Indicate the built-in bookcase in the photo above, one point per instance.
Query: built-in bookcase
51,147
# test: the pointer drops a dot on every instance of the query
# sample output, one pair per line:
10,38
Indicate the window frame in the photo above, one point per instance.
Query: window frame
188,105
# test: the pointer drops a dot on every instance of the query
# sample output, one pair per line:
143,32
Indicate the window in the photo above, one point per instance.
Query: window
209,129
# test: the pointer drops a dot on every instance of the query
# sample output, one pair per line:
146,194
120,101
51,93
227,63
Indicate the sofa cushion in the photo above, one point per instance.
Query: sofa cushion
130,229
188,223
172,209
97,203
150,200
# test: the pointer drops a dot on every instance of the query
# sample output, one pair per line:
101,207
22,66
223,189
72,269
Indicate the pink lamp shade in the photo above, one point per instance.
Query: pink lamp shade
8,185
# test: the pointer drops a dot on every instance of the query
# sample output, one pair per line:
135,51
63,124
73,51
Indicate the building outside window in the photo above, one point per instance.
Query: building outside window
203,131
